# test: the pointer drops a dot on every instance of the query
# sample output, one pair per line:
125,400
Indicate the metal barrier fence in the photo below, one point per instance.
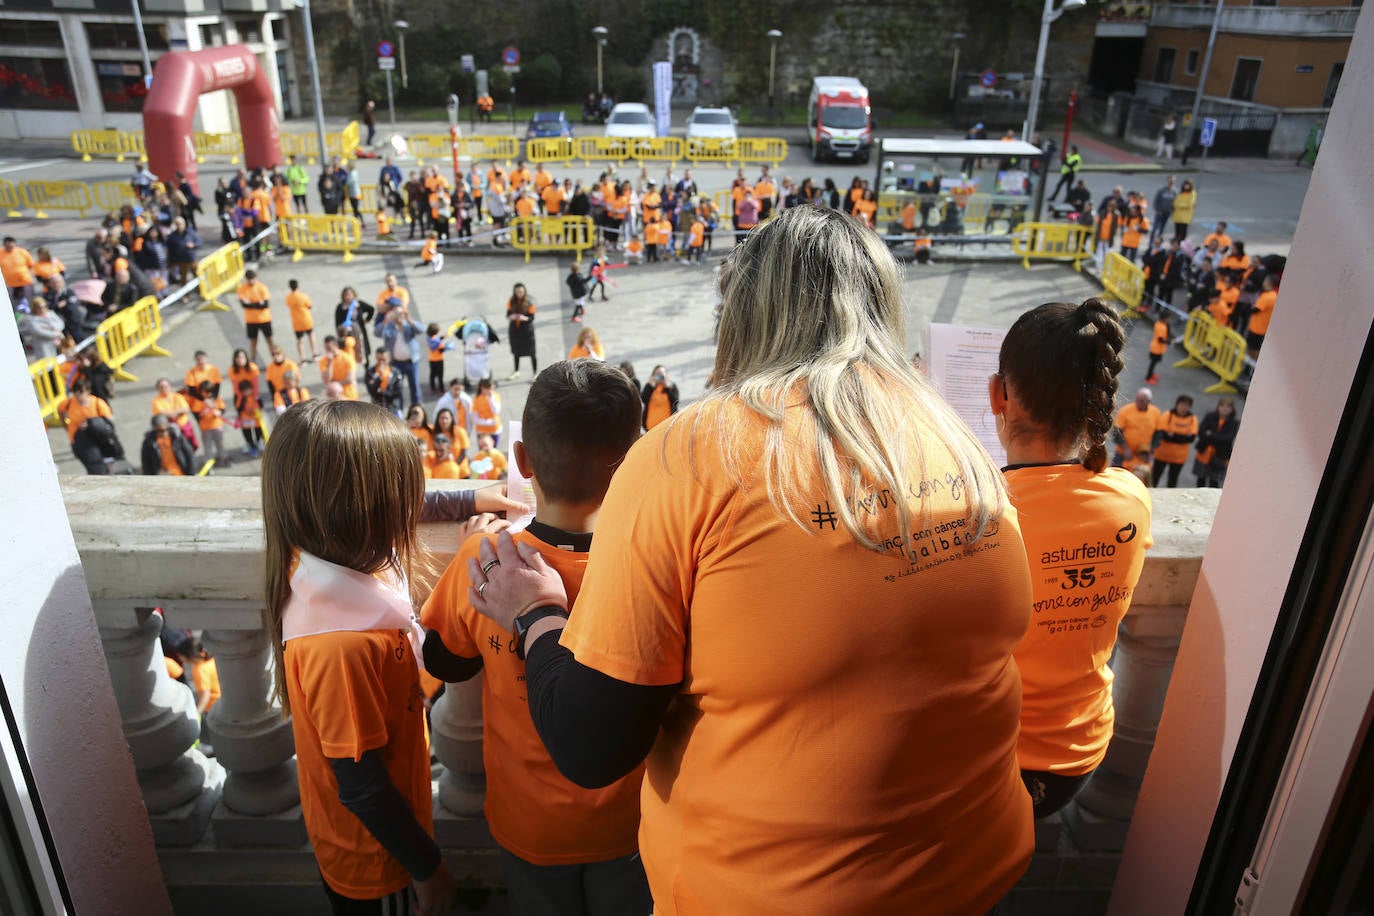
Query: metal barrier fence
111,195
700,152
605,149
430,146
130,332
218,273
479,147
760,149
131,144
1126,282
11,198
344,144
50,386
552,233
552,149
1215,348
1052,242
91,143
42,196
230,145
316,232
656,149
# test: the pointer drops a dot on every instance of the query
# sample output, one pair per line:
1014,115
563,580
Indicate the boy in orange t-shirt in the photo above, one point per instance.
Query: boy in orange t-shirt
566,849
302,319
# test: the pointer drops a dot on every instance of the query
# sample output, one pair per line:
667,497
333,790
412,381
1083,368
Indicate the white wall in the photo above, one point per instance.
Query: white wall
55,674
1322,322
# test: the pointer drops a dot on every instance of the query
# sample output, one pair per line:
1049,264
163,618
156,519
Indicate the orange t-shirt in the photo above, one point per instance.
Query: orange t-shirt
1086,535
1159,344
532,809
660,407
78,413
524,205
46,270
299,305
1175,452
400,292
1138,426
212,414
353,692
864,210
174,406
424,435
1130,236
1263,312
205,676
553,199
449,469
249,373
168,457
542,179
281,200
651,232
578,351
634,247
17,266
285,397
871,766
195,375
276,372
487,465
340,368
698,236
487,411
254,292
431,247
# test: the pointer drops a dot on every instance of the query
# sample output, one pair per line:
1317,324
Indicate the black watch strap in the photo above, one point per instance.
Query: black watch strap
530,618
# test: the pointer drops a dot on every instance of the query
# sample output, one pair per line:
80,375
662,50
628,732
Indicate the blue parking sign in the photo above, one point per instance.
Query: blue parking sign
1209,132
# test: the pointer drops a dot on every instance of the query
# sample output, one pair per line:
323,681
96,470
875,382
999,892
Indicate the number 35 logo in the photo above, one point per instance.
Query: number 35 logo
1079,578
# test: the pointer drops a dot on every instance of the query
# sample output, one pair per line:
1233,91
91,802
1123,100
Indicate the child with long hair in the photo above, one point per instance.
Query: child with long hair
342,495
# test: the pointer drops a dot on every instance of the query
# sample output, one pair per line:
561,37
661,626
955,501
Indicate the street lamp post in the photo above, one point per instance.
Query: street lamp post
600,33
401,26
143,47
1202,83
958,39
1049,16
313,64
773,36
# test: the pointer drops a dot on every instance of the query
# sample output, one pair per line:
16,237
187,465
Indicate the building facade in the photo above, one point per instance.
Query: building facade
70,65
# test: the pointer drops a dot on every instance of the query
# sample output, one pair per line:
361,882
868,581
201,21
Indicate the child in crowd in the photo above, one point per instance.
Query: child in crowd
487,463
249,421
1142,467
696,240
577,287
446,463
565,849
634,253
343,579
210,415
486,410
430,255
383,225
437,342
302,320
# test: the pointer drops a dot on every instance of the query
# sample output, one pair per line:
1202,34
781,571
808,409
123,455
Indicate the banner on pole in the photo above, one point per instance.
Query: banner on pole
663,96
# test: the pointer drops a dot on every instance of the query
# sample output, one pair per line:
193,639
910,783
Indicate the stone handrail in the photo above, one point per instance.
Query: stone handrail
193,547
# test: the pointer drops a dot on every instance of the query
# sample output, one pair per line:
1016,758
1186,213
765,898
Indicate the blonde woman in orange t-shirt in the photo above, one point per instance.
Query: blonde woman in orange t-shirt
1086,528
820,494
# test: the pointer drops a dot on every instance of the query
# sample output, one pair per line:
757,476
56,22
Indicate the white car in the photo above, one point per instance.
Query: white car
711,124
631,120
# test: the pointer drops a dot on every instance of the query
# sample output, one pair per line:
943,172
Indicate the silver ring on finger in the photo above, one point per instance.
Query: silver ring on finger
486,567
481,589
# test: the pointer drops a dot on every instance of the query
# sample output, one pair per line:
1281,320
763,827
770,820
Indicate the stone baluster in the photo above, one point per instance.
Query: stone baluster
180,785
456,737
1146,648
260,804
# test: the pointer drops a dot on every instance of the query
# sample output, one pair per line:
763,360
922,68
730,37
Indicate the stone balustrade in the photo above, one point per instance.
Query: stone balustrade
193,549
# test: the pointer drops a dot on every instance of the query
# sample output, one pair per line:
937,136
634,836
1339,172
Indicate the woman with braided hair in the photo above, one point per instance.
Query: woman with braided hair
1086,528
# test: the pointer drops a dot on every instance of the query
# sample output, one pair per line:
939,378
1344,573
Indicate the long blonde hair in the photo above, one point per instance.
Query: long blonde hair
811,305
341,480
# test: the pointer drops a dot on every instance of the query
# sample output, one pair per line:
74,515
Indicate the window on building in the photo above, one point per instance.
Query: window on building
1264,2
121,85
1246,80
122,36
1333,82
36,83
1164,65
31,33
248,29
1190,63
212,35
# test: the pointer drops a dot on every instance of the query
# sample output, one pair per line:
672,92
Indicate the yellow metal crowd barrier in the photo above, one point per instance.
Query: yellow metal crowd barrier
656,149
1214,347
11,198
219,272
316,232
97,143
504,148
1052,242
1126,282
230,145
613,149
551,149
710,150
42,196
760,149
131,144
551,233
111,195
131,332
430,146
344,144
50,385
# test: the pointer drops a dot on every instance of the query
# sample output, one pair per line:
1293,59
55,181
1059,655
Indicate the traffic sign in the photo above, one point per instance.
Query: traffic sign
467,63
385,49
989,78
386,63
1209,132
511,57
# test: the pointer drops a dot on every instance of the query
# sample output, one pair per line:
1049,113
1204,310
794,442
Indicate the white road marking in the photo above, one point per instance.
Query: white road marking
31,165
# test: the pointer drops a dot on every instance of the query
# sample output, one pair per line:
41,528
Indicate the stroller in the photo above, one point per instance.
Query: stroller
477,337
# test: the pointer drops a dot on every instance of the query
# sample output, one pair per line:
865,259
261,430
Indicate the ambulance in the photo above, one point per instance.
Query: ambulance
839,121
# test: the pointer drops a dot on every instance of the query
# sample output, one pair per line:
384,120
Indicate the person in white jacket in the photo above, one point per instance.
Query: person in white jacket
41,329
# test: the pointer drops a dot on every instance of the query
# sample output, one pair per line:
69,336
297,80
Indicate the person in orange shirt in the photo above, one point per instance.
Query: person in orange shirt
1260,315
696,240
1223,300
338,367
1219,236
766,193
392,294
486,410
277,368
542,179
525,204
1236,259
520,176
202,371
47,266
166,451
447,465
1159,345
446,423
174,406
634,253
90,429
383,224
554,197
340,607
418,424
302,319
291,391
1086,528
487,463
740,502
660,397
650,205
1135,427
257,310
281,198
651,241
16,265
1176,432
866,209
588,346
210,413
1135,228
242,369
565,849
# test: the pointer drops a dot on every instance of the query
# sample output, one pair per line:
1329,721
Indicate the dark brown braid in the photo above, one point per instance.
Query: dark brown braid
1062,360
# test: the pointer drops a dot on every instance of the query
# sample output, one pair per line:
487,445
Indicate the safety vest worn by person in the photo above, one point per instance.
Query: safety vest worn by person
1072,163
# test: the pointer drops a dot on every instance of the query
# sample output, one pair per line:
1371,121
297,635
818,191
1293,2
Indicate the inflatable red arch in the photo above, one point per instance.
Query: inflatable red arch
179,79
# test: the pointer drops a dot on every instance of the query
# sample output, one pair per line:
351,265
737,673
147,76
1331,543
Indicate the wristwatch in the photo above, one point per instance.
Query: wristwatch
530,618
